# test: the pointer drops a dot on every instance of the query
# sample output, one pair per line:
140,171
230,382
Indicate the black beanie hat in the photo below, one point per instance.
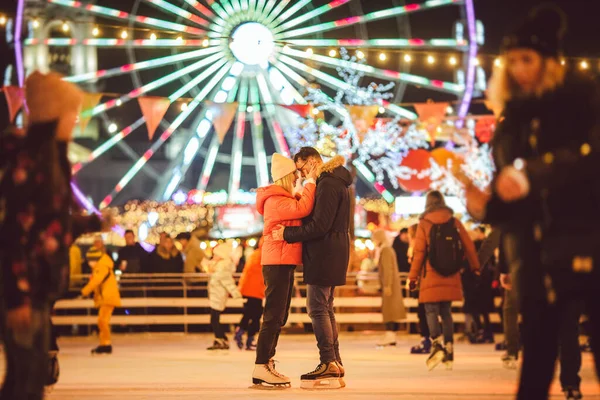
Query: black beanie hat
543,31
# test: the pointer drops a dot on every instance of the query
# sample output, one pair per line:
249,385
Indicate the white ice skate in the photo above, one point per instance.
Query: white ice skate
438,353
509,362
449,358
389,339
325,376
266,377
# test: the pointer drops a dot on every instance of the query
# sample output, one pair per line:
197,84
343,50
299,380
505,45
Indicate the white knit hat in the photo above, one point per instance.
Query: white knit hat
223,250
281,166
50,98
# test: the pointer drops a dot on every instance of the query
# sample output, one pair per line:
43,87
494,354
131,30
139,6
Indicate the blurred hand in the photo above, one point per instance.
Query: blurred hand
19,319
277,233
505,281
313,173
512,184
387,291
476,201
412,285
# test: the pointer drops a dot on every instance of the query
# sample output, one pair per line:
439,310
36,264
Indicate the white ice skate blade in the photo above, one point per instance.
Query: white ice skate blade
322,384
435,360
385,346
512,365
269,386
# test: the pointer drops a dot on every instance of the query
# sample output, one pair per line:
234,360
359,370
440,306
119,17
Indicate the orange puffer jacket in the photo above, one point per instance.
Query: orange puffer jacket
281,208
252,283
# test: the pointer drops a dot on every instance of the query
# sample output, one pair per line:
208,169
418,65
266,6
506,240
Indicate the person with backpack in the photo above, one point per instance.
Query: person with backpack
440,247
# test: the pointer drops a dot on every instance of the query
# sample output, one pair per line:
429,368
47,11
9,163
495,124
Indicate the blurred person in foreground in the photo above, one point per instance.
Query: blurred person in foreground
547,152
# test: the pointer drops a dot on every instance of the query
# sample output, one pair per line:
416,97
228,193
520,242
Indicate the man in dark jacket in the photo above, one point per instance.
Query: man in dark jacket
132,257
325,253
400,246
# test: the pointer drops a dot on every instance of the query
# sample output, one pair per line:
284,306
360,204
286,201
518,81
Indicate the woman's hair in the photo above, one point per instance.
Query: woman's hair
380,237
287,182
434,199
412,231
502,88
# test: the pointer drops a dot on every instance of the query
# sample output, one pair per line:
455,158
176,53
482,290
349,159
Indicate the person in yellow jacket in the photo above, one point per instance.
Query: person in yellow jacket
106,292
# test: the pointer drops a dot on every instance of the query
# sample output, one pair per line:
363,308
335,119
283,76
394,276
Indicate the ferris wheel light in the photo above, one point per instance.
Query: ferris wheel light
309,51
65,27
184,106
2,20
153,36
237,69
228,83
205,43
360,55
453,61
332,53
221,96
430,60
382,57
179,39
252,43
381,110
477,61
249,109
407,58
315,111
584,65
124,35
112,128
35,23
119,102
95,31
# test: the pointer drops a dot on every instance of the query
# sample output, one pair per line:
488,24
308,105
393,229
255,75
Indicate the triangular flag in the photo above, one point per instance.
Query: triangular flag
153,110
304,110
363,117
90,100
14,98
431,115
222,117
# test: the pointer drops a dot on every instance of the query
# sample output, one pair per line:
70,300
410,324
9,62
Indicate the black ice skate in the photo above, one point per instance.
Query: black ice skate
250,345
239,337
422,348
265,376
102,350
449,358
572,394
325,376
438,353
53,372
219,344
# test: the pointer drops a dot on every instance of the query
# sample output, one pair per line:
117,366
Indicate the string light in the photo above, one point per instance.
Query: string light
309,51
430,60
381,110
153,36
65,27
95,31
477,61
332,53
2,20
382,57
360,54
315,111
563,61
112,128
124,35
184,106
453,61
584,65
36,23
497,62
407,58
179,39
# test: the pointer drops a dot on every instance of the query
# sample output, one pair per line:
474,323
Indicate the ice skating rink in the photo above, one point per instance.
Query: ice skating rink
174,366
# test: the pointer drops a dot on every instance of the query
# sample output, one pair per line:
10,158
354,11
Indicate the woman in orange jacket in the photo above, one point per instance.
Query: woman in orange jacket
252,287
279,206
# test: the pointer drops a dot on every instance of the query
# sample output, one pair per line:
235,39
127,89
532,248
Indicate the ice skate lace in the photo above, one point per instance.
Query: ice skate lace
316,369
271,368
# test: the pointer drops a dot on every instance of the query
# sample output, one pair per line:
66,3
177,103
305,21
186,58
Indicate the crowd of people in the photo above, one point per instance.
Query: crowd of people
541,206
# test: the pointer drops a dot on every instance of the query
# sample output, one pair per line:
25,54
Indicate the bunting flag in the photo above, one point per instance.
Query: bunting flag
304,110
153,109
14,99
90,100
431,115
363,117
222,117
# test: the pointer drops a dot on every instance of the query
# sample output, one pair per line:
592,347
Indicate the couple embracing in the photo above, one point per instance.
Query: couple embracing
306,227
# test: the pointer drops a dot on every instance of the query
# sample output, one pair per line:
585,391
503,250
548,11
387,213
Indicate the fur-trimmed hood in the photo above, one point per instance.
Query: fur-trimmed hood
335,168
164,254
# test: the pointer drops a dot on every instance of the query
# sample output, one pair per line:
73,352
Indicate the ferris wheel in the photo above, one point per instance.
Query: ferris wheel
257,54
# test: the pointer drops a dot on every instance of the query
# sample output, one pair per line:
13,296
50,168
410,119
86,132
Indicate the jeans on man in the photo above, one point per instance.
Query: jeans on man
320,309
434,311
279,282
26,357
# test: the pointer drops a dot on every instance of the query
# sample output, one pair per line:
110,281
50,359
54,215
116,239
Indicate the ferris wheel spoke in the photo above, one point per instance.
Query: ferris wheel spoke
180,12
268,9
311,14
374,16
237,149
278,9
368,177
383,43
140,66
122,15
437,85
237,7
169,131
228,7
109,42
275,128
275,76
291,74
292,10
200,8
150,86
258,146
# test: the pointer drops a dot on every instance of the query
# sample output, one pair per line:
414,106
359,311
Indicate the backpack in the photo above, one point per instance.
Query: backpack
446,253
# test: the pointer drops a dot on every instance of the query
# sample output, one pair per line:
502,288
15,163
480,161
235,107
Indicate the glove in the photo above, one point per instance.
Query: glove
412,286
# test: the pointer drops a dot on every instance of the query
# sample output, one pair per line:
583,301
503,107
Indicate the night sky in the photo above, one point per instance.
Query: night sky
498,16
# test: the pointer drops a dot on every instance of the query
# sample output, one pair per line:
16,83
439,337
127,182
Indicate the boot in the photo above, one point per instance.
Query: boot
485,337
219,344
250,345
239,337
325,376
438,353
509,361
572,394
265,376
389,339
102,350
422,348
449,358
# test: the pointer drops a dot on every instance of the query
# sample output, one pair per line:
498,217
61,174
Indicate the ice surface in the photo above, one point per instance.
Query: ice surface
177,366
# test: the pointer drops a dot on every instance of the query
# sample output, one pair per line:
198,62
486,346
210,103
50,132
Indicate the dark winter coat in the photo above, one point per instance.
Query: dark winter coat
558,135
162,262
325,232
401,250
136,258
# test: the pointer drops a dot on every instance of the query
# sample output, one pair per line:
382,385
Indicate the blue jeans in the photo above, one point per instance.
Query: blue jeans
433,311
320,309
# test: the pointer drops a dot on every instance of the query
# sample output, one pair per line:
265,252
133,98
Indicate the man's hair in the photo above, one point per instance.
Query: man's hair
403,231
184,235
305,153
129,231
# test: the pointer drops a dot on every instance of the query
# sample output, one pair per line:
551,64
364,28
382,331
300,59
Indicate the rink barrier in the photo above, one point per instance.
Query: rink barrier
191,289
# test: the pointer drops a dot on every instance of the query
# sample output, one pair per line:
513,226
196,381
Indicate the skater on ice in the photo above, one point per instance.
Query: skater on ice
279,203
325,242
